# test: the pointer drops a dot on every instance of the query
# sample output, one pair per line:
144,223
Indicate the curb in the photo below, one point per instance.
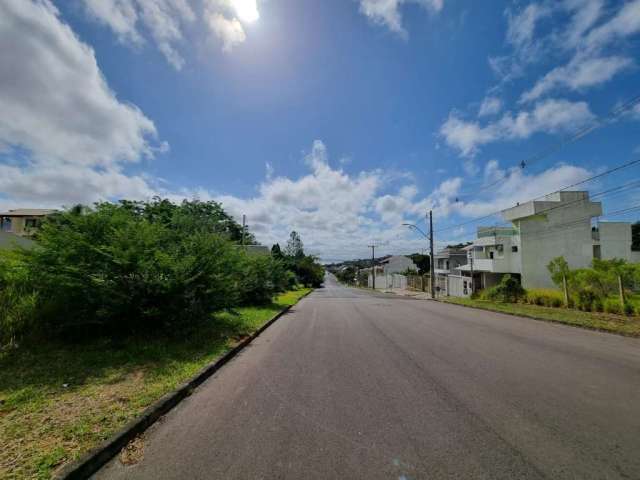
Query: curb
91,462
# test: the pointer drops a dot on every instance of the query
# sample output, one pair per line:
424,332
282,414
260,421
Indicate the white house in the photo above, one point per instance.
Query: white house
561,224
389,270
445,267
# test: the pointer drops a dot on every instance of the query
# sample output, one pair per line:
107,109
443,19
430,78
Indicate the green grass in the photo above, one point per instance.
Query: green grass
58,401
606,322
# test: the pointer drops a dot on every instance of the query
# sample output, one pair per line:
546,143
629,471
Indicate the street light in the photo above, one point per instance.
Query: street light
416,228
431,256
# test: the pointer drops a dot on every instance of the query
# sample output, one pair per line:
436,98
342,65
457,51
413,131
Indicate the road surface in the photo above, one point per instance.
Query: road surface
351,385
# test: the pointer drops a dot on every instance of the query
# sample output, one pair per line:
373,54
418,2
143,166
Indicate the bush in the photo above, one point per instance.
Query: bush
612,305
132,267
17,299
586,299
508,290
544,297
628,308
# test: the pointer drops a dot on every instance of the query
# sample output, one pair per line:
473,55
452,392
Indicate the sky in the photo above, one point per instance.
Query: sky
341,119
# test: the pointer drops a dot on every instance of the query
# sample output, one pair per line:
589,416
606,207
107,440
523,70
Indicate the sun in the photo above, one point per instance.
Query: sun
246,10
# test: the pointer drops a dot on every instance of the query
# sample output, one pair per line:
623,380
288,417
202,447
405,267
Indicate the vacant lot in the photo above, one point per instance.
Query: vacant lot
606,322
59,401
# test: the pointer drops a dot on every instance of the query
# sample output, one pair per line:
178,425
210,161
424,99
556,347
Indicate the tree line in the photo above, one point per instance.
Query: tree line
139,267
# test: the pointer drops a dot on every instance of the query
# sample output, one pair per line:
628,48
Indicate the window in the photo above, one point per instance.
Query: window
514,249
31,223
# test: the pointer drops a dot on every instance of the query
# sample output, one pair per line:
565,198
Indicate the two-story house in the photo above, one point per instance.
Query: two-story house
560,224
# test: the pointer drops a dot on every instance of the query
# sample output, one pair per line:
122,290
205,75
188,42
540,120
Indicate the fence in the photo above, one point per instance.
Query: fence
403,282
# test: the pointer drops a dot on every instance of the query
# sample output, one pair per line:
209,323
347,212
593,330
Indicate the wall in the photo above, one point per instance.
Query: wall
563,231
9,240
399,264
615,240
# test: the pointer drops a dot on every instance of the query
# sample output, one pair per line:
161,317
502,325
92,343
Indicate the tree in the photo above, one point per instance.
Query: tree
559,270
276,252
295,247
423,262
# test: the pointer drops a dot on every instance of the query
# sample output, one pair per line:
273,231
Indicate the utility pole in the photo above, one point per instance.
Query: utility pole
471,262
431,260
244,228
373,264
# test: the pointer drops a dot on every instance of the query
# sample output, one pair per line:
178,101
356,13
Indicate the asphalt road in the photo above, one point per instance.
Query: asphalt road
351,385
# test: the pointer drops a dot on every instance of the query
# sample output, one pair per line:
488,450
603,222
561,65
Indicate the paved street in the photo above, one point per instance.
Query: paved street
351,385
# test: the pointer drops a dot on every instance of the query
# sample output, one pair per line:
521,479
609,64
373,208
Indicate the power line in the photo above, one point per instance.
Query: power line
581,133
594,177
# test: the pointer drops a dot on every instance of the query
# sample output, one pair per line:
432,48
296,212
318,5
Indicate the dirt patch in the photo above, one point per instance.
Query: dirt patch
133,452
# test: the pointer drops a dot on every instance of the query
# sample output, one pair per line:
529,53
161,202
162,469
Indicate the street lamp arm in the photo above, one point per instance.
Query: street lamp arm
416,228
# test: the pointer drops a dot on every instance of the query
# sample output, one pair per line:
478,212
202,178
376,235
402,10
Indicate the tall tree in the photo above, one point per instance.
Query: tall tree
295,247
276,252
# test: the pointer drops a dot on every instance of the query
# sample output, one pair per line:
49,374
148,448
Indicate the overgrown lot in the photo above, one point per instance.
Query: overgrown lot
624,325
57,401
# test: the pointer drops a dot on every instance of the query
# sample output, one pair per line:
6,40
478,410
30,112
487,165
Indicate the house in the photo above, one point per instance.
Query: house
446,261
560,224
389,268
23,221
397,264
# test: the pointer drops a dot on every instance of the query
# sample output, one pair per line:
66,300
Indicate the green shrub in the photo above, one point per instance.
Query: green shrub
508,290
628,308
612,305
598,305
585,299
544,297
129,267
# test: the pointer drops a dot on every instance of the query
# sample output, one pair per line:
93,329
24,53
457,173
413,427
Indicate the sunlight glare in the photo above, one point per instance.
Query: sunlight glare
246,10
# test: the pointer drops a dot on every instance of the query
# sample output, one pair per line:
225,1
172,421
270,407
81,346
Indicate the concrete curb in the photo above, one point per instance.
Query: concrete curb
91,462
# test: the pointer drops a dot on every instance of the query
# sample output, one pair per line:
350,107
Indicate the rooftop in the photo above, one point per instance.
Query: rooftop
28,212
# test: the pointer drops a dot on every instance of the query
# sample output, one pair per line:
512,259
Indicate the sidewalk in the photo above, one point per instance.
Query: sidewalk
408,293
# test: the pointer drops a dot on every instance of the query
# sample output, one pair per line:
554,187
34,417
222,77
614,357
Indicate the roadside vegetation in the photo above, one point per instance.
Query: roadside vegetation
116,306
603,297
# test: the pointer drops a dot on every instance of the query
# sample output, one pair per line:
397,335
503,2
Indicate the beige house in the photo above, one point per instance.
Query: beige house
23,221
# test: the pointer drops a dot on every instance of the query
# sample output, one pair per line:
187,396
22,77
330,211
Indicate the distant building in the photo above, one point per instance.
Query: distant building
23,221
388,269
397,264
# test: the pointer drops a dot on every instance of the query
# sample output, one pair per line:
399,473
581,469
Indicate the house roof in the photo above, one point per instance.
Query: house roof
28,212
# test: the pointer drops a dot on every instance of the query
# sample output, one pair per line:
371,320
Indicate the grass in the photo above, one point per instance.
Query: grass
623,325
58,401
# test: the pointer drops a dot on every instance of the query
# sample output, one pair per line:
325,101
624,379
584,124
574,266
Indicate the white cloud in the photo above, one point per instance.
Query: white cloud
162,19
585,13
550,116
579,74
490,106
225,19
229,31
522,25
387,12
48,74
625,22
518,186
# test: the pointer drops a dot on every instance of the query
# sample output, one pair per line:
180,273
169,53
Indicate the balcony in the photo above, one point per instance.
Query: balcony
496,265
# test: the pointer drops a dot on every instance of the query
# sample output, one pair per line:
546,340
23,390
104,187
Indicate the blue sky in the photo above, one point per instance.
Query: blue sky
341,119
